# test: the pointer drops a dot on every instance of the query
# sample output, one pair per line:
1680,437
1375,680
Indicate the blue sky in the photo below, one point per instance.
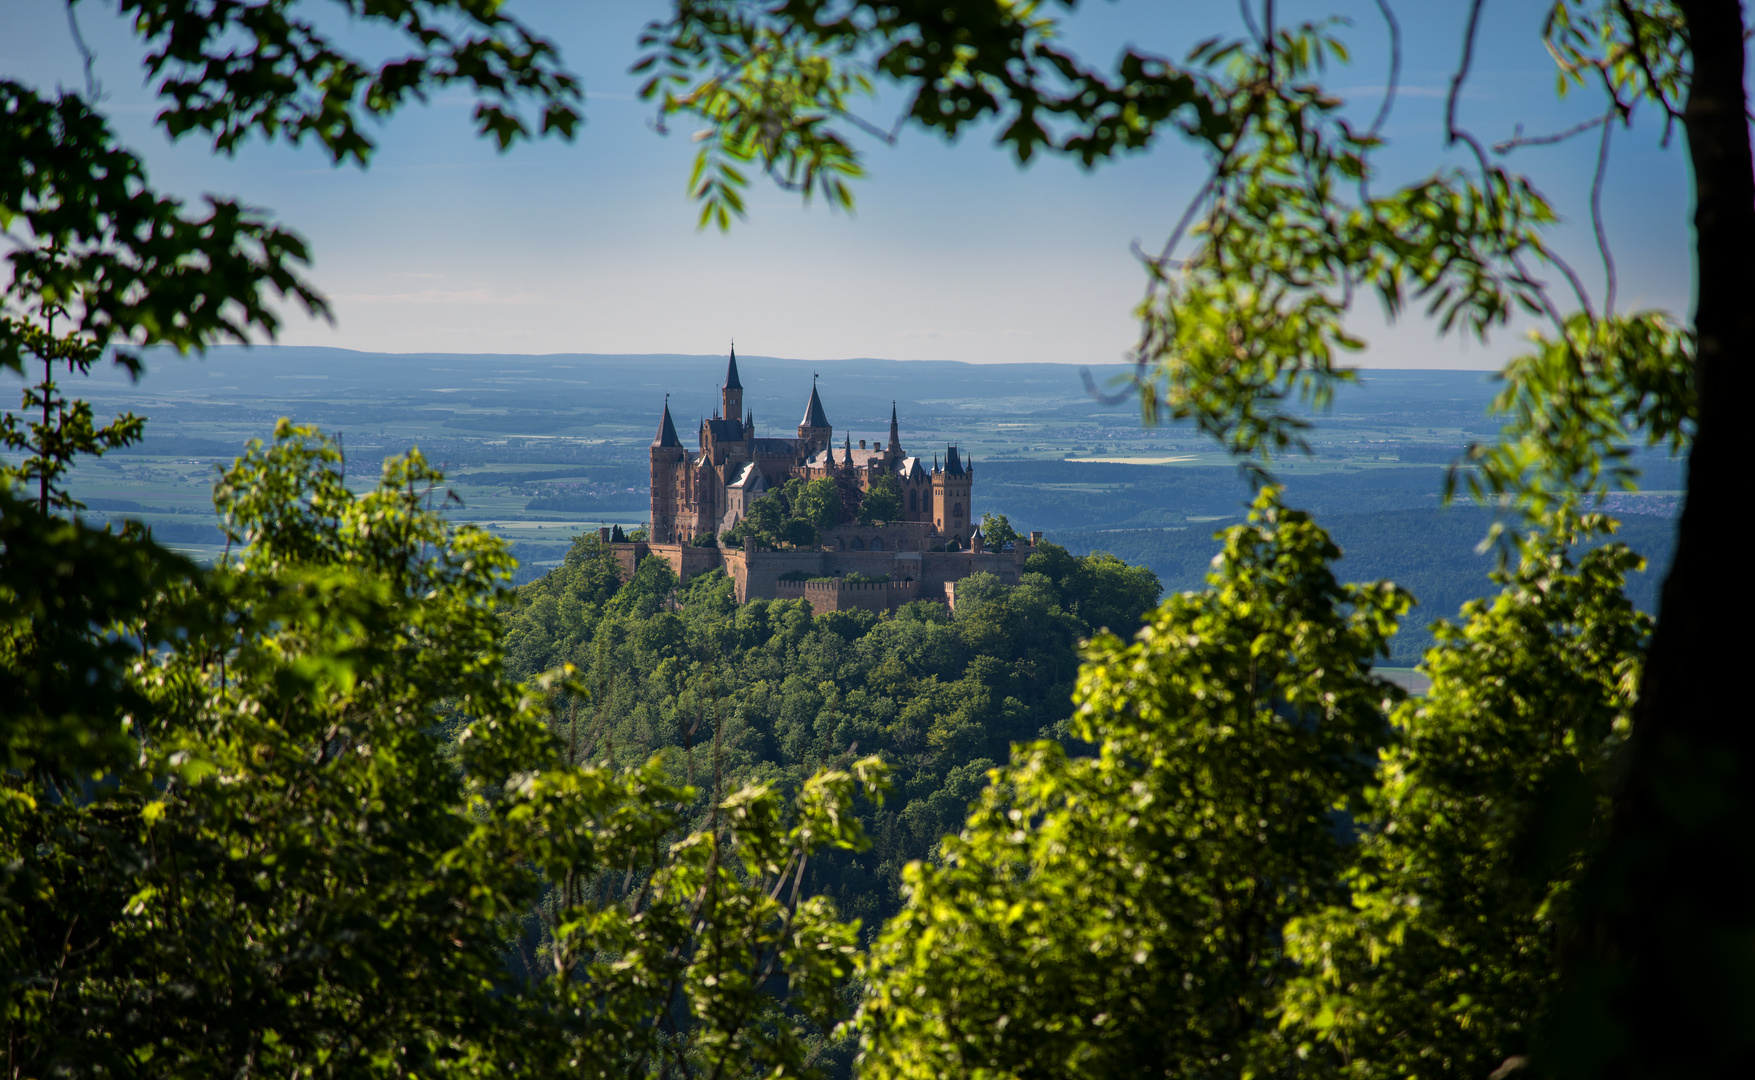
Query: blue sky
954,253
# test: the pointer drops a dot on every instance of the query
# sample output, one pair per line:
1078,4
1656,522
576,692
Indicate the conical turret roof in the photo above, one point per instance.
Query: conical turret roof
731,379
666,430
813,412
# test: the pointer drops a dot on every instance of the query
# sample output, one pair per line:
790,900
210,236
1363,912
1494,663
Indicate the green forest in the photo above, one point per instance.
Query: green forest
940,698
343,802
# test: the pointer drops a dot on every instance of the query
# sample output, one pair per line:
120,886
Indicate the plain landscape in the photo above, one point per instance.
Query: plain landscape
537,448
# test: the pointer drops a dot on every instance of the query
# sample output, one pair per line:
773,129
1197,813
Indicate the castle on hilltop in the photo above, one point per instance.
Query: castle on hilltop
700,494
709,491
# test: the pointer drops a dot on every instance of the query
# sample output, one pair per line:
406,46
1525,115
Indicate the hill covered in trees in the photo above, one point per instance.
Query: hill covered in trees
940,696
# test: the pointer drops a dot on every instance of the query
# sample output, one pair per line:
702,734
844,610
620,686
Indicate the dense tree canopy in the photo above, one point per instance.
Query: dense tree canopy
941,698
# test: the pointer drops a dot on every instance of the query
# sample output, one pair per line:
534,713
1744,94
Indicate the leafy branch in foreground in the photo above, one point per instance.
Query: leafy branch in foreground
120,264
288,812
1118,913
64,430
298,81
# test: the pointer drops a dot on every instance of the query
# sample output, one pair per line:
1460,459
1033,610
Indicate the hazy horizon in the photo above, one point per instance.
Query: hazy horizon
484,354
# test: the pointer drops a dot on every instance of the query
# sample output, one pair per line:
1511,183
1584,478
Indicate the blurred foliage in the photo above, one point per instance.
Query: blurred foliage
1493,793
1277,864
288,813
1121,913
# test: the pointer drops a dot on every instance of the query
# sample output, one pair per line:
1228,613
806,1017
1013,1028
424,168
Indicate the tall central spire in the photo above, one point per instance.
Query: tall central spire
731,394
895,432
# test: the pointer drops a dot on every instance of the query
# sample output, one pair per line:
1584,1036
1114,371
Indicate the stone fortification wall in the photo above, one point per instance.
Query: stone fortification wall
628,556
939,567
685,560
758,573
900,536
837,594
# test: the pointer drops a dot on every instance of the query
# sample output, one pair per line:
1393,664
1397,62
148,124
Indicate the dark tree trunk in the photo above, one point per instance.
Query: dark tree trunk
1663,983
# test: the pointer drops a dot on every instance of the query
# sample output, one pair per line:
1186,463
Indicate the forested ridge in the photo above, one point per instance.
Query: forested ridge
940,697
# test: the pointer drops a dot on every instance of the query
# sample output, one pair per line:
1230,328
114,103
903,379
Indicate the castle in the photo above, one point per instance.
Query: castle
697,495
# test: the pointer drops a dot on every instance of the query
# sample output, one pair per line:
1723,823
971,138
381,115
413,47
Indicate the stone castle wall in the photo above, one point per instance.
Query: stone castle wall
838,595
685,560
918,575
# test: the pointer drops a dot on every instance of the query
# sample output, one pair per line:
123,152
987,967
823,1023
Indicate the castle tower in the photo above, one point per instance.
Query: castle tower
951,505
893,448
731,394
669,461
814,429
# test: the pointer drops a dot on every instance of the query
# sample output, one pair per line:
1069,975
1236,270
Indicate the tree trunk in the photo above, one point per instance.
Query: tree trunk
1663,983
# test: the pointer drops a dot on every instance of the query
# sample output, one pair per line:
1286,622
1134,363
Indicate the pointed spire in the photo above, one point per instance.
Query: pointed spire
666,430
731,380
814,416
895,432
953,466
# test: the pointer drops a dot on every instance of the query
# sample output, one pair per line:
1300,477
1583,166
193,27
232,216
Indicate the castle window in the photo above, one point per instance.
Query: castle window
858,544
957,510
913,502
877,543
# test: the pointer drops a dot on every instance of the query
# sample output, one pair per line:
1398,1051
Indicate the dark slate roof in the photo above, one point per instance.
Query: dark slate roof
725,430
666,431
777,446
953,464
731,381
813,412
